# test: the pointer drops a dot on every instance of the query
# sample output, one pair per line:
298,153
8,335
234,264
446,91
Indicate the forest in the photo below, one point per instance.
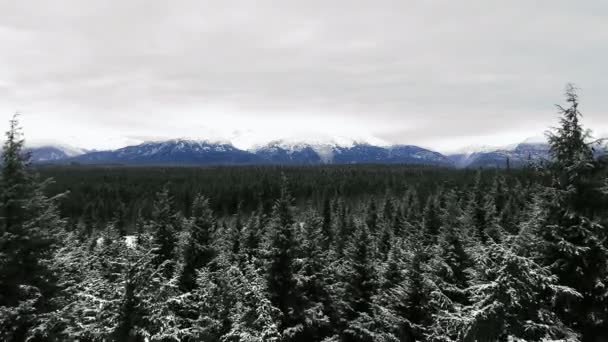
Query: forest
325,253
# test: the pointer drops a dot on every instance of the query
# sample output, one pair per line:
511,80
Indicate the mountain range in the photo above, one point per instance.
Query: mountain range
199,152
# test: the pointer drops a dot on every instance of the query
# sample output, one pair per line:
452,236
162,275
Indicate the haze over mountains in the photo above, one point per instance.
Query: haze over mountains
281,152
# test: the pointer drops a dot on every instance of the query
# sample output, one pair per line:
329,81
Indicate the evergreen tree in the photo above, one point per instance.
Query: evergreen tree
199,250
311,280
253,317
475,215
573,239
281,269
29,222
415,307
372,217
163,227
236,237
512,300
327,223
253,234
362,283
343,229
452,258
431,221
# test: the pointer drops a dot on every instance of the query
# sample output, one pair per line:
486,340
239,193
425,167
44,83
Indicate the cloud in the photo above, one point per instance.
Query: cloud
435,73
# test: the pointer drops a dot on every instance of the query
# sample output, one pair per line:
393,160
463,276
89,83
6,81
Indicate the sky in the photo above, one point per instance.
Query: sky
438,74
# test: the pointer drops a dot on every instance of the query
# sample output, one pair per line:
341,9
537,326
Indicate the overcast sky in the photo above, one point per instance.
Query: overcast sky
440,74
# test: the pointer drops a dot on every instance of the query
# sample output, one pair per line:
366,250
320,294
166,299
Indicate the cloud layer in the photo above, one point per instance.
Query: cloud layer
440,74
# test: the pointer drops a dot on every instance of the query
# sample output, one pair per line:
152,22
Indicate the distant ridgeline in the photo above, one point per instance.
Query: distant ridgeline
182,152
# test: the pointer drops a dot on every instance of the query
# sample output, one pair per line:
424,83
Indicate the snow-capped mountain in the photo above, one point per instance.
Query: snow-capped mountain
53,153
518,155
280,152
533,150
172,152
195,152
285,152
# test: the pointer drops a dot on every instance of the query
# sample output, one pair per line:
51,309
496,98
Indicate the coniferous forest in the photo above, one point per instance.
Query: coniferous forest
329,253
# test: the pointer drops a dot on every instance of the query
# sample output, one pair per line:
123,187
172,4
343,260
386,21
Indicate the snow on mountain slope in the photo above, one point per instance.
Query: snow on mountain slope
52,153
351,152
294,152
531,150
171,152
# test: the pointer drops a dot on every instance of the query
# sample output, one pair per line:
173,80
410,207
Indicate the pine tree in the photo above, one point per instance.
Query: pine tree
199,250
281,270
113,291
343,229
453,259
372,217
450,265
573,239
362,283
120,218
163,226
312,283
253,235
415,307
210,307
385,240
253,317
29,222
431,221
412,206
236,237
362,274
511,299
475,213
327,224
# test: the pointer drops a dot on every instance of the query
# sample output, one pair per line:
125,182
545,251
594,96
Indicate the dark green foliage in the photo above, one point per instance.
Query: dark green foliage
361,273
199,251
372,217
512,298
573,240
163,227
431,221
327,221
282,247
29,225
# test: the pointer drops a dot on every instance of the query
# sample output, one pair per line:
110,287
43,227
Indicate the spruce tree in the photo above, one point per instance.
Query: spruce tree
475,215
431,221
236,232
452,259
415,307
29,222
362,277
573,238
361,286
281,278
199,250
327,223
372,217
343,229
253,234
163,227
511,299
313,285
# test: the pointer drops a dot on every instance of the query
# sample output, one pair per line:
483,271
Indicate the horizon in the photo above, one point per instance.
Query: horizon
341,142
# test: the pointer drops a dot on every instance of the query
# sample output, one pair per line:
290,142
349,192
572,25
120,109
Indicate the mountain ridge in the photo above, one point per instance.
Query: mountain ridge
191,152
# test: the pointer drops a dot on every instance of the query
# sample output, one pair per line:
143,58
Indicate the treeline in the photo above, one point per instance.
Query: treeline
99,195
483,256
